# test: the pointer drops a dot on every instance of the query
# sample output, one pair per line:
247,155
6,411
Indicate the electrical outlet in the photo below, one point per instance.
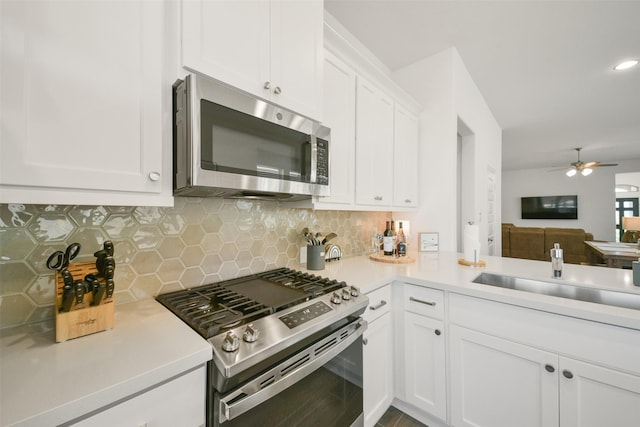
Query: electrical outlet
303,255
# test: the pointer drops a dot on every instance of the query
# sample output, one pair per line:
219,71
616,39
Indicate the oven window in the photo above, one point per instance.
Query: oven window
235,142
329,396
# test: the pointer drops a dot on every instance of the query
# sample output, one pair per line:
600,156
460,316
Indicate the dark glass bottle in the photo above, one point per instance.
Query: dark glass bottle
387,240
402,241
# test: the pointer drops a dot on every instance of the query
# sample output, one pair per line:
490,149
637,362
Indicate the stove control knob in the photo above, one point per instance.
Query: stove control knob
354,291
335,298
250,334
230,342
346,295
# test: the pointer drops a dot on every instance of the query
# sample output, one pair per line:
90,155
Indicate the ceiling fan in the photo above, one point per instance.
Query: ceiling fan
585,168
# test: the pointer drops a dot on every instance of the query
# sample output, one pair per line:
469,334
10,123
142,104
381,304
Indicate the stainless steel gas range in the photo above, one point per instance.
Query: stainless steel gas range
287,348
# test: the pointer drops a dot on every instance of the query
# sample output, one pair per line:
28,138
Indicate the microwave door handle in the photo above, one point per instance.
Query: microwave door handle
313,175
253,398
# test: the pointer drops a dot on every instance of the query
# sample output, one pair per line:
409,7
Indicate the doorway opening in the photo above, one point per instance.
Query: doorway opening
625,206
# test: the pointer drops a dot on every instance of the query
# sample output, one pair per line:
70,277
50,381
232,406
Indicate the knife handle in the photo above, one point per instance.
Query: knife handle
79,286
98,294
67,277
110,288
68,295
109,263
108,247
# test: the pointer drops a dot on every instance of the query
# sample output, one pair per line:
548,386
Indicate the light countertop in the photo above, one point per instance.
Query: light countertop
44,383
442,271
47,383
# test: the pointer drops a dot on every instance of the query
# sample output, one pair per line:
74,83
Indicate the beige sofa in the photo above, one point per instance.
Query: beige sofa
536,242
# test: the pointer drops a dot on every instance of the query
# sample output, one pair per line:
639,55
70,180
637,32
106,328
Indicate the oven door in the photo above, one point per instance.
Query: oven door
319,386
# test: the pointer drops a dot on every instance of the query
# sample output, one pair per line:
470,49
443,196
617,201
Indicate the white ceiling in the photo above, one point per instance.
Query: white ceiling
543,67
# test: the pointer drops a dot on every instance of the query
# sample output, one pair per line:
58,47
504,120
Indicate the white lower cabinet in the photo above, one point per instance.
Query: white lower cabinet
588,374
593,396
179,402
495,382
378,359
424,361
424,369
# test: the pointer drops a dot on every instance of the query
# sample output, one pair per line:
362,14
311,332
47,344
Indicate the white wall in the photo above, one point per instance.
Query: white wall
442,84
596,197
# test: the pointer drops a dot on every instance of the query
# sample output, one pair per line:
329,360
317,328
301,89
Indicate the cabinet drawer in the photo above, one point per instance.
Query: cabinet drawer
379,303
423,301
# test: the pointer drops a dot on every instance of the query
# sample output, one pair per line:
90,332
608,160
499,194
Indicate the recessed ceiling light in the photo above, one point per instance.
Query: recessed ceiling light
626,65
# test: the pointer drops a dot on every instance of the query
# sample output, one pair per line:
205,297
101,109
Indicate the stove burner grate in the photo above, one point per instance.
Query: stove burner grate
212,308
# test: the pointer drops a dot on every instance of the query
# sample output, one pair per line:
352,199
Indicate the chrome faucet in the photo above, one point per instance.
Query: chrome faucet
556,260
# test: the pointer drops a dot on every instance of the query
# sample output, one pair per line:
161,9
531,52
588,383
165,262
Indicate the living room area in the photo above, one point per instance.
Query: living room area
601,231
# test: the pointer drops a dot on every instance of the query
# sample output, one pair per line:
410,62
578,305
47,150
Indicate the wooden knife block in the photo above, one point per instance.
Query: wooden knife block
84,319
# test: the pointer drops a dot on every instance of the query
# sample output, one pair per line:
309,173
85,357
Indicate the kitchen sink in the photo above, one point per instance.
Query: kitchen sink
598,296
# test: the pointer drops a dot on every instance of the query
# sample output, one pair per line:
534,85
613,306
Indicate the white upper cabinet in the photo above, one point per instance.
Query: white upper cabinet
405,159
82,103
374,146
340,115
272,49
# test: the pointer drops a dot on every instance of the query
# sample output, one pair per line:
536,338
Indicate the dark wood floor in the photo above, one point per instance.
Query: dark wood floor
396,418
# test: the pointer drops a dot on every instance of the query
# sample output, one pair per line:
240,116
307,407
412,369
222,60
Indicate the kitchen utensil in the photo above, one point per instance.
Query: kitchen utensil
60,260
96,288
80,289
104,258
68,292
110,288
329,237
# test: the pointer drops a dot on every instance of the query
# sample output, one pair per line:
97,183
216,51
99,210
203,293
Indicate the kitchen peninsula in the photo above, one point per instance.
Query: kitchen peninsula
151,348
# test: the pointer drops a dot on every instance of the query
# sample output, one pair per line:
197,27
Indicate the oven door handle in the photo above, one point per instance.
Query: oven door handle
250,396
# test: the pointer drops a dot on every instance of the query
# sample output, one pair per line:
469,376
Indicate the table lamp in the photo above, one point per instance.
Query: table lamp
631,227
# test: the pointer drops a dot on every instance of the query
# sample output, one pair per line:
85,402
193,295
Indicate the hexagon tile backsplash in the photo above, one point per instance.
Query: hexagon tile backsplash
160,249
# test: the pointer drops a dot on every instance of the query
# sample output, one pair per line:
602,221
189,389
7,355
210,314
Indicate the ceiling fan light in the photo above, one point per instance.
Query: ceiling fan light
586,171
571,172
626,65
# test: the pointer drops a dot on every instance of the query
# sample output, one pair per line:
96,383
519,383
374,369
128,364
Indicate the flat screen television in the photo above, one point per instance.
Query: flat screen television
549,207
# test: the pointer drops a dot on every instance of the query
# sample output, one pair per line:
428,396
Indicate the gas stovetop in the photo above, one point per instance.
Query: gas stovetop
213,308
250,320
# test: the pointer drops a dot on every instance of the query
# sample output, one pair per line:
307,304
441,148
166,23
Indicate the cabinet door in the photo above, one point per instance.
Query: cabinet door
229,41
405,158
374,146
595,396
425,370
82,98
179,402
378,369
296,55
340,116
498,383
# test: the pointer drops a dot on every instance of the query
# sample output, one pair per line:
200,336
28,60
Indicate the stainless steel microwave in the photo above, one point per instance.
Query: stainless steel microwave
227,143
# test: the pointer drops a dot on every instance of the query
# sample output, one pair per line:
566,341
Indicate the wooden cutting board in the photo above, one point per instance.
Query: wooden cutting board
392,260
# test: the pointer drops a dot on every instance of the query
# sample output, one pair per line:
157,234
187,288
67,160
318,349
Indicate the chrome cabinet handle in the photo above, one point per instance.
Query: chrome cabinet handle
567,374
277,90
377,306
365,341
549,368
377,198
407,200
267,85
431,303
154,176
437,332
